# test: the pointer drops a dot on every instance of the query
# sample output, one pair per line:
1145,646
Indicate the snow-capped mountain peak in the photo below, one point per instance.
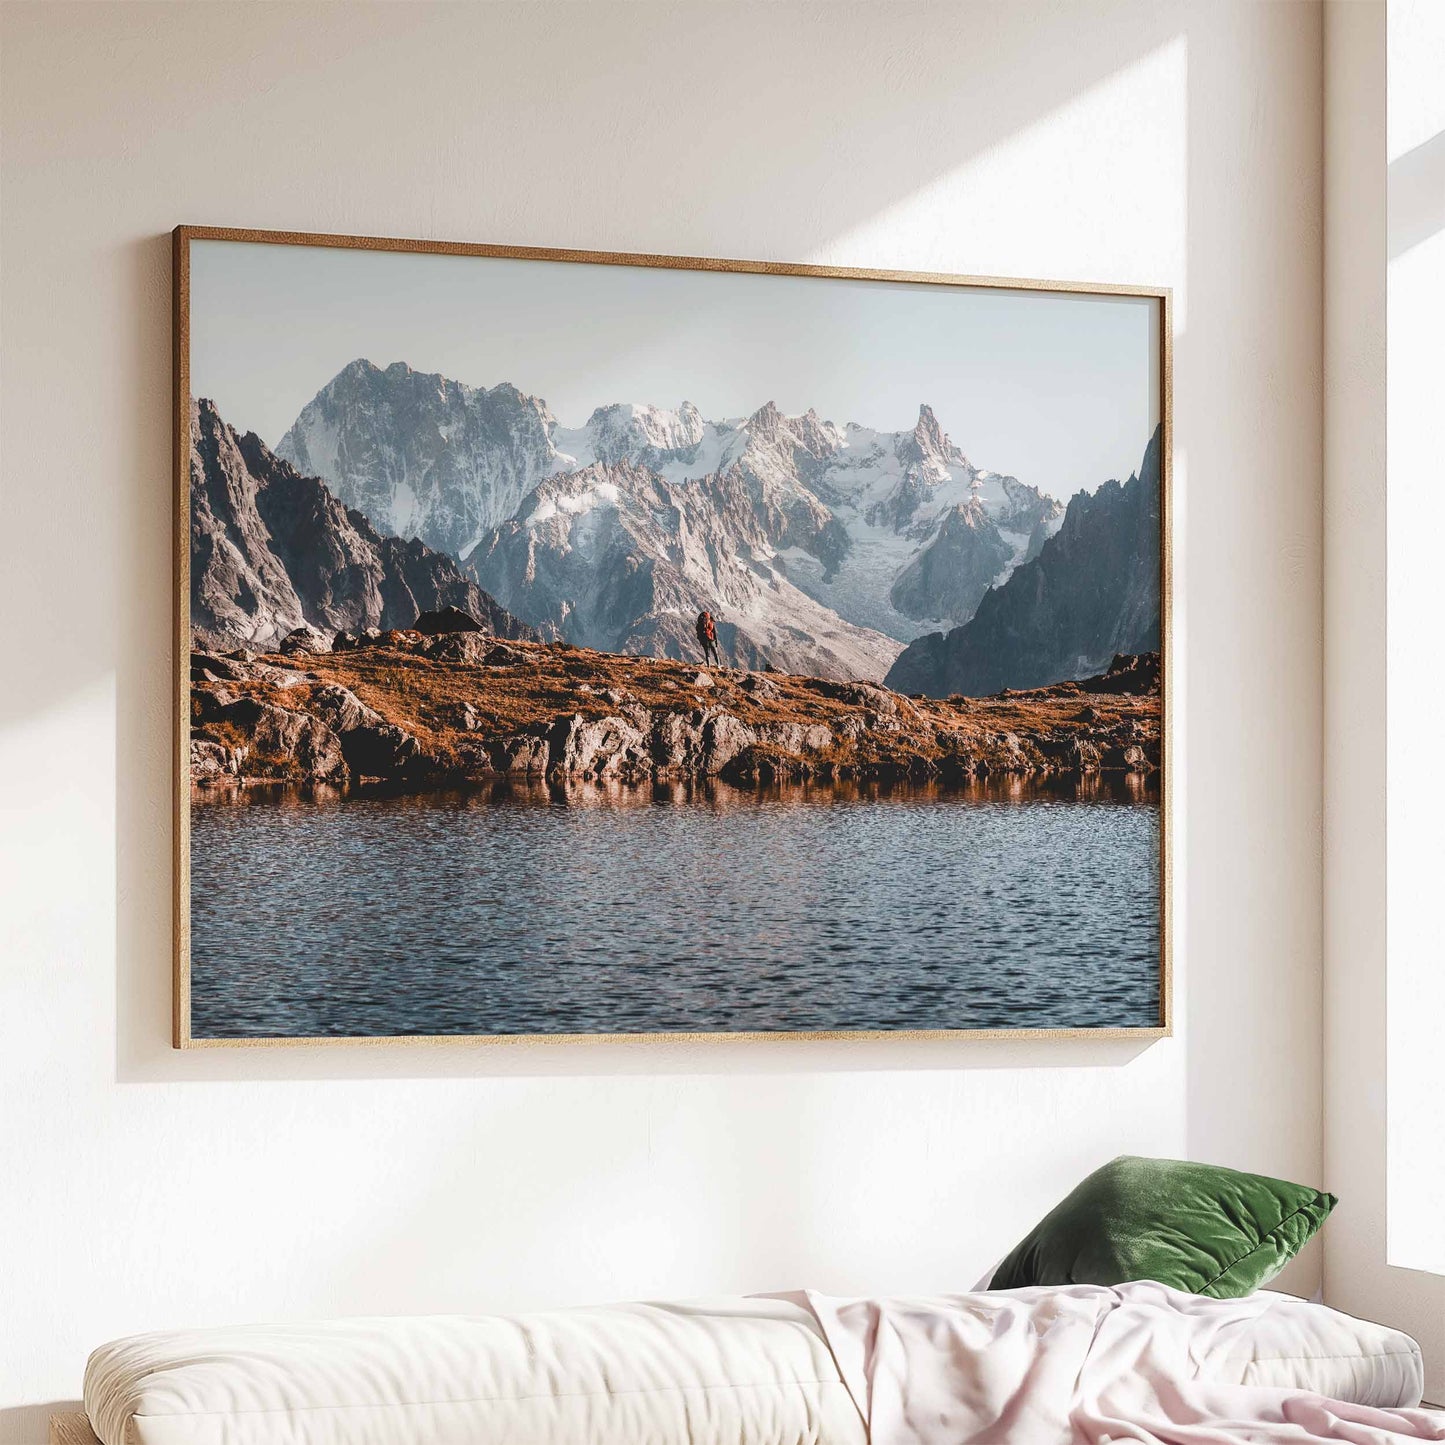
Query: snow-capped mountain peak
422,455
894,533
615,557
627,429
930,444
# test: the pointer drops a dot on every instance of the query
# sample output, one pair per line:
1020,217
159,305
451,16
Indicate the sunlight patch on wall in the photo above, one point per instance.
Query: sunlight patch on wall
1047,176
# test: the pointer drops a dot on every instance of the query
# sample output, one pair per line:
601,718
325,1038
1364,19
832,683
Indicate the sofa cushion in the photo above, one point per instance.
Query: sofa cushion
736,1372
1288,1343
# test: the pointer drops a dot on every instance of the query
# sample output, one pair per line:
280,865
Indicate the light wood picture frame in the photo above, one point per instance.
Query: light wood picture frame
589,820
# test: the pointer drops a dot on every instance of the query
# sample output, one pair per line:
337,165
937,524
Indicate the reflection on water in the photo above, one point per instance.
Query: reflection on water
686,907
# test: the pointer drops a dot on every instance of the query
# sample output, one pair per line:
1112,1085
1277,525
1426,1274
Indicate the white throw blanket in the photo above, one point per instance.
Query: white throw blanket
1083,1364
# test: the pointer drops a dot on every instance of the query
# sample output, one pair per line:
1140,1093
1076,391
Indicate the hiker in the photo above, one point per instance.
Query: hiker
707,637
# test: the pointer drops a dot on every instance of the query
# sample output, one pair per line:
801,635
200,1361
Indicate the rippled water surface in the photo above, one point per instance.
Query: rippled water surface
689,909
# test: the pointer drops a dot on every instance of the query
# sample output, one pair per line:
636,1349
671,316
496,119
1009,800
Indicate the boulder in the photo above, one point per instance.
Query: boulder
762,763
676,740
703,741
345,641
305,639
467,760
1130,758
380,751
446,620
796,737
817,738
602,748
703,680
958,765
340,709
211,667
373,747
500,655
862,694
883,710
639,716
1008,755
211,760
756,685
1128,673
723,738
472,648
284,743
208,703
520,754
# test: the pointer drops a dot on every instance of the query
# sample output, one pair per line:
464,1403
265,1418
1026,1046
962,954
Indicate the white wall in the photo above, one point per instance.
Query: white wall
1381,634
1415,447
1137,142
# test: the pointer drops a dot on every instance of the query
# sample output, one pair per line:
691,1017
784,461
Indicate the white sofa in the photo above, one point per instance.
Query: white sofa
731,1372
740,1371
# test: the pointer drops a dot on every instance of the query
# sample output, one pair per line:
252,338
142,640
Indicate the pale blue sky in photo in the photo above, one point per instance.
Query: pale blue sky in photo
1060,390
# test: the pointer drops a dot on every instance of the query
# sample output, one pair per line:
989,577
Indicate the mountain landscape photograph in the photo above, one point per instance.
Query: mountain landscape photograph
615,649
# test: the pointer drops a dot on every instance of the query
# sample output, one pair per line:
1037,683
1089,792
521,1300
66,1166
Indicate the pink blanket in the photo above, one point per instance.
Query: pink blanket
1078,1364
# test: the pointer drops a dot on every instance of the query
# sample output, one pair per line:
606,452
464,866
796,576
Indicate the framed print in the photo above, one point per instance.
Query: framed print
576,644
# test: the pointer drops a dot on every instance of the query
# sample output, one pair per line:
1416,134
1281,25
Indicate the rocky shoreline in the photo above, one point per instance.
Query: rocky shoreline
415,712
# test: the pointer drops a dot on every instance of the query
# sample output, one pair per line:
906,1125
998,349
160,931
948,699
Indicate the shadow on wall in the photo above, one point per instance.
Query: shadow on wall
740,176
32,1422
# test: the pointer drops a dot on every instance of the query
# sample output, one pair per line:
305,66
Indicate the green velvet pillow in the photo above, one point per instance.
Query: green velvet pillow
1191,1226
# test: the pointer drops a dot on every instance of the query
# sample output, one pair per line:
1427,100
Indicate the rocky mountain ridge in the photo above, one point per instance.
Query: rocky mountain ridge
1091,591
273,550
